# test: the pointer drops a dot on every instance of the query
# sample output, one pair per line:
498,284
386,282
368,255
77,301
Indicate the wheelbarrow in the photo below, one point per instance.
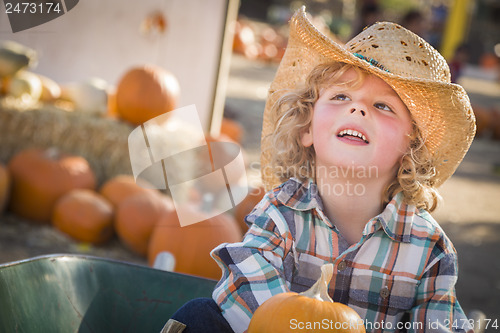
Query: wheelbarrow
75,293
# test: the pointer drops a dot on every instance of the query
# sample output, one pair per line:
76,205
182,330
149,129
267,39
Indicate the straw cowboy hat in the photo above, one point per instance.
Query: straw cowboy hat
412,67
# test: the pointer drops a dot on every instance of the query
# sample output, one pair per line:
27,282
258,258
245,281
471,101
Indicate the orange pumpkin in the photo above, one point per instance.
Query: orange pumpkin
273,44
489,61
483,119
84,215
112,111
279,313
4,83
4,186
232,129
225,150
136,217
146,92
244,37
121,187
244,208
41,176
191,245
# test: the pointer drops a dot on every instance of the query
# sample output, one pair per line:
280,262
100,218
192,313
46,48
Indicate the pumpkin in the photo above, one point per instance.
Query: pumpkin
244,38
191,245
223,151
232,129
84,215
90,96
25,86
273,44
155,22
146,92
244,208
51,91
4,186
136,217
489,61
112,112
483,119
269,51
41,176
280,312
120,187
4,83
15,57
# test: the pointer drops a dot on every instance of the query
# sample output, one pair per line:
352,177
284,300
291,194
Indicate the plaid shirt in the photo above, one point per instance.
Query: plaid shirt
403,268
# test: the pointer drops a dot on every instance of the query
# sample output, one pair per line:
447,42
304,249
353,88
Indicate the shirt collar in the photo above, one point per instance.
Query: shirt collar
299,196
396,219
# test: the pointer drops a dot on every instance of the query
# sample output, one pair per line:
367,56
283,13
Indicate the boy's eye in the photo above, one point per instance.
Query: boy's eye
340,97
382,106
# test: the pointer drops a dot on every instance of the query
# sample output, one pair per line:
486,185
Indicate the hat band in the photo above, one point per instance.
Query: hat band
371,61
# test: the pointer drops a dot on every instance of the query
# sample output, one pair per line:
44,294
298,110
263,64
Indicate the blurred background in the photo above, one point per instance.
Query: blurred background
247,41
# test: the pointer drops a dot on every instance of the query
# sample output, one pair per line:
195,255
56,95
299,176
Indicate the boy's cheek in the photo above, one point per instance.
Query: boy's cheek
397,138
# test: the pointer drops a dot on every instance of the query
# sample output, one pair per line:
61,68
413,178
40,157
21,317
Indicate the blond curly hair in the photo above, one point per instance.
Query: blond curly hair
293,116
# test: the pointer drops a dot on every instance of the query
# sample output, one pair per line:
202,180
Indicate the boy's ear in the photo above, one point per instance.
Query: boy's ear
307,137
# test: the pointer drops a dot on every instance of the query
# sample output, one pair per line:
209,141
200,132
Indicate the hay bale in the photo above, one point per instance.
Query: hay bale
102,141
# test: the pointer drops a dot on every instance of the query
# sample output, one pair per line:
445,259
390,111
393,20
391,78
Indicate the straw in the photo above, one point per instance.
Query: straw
102,141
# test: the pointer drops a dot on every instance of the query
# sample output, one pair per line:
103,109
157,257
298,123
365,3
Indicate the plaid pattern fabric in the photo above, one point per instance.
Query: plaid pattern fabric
403,267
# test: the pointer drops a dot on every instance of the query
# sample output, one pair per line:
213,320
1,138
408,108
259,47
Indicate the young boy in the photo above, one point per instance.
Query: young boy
359,137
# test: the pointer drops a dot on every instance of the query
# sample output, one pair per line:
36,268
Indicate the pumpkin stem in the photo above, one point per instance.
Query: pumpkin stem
319,290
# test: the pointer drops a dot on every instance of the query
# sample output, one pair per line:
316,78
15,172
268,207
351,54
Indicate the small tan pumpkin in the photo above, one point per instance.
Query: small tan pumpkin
25,86
51,91
89,96
146,92
136,217
41,176
84,215
279,313
191,245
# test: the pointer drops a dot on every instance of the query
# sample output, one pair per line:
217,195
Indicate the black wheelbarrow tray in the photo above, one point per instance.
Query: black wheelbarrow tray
74,293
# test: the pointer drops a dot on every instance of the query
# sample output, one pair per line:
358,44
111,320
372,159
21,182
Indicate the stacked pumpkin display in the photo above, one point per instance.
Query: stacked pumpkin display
46,186
49,184
143,92
258,41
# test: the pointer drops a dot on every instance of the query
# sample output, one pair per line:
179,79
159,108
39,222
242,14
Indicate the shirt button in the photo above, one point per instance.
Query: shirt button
342,265
384,292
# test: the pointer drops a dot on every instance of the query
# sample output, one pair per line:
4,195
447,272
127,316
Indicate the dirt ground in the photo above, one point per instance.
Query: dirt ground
470,214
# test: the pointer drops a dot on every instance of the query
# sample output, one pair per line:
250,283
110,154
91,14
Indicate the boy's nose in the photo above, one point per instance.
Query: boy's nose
362,112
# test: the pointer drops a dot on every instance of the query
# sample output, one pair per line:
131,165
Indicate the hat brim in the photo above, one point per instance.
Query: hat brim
441,110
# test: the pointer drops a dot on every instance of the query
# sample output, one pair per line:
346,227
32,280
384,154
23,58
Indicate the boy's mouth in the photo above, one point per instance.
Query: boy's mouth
354,135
